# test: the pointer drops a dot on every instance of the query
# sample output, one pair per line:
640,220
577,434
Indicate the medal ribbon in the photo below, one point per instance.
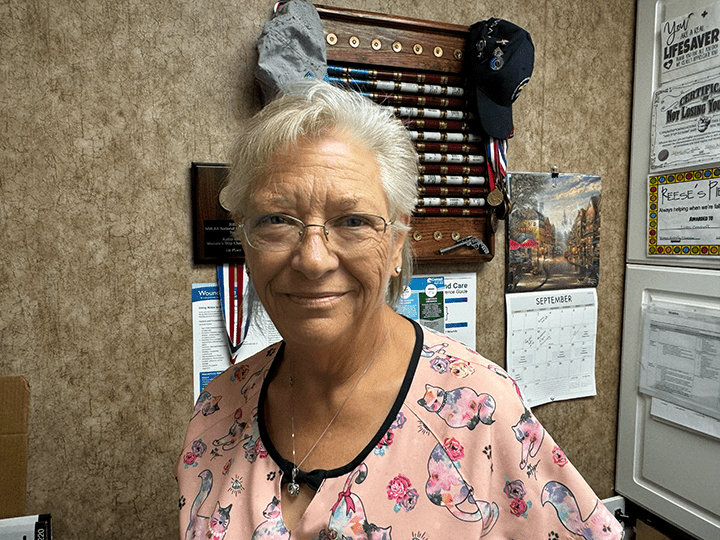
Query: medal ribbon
230,285
491,163
497,166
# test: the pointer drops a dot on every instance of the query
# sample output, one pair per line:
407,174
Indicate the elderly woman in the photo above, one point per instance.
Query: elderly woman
360,423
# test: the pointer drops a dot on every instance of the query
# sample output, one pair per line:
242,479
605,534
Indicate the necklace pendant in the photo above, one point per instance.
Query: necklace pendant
293,489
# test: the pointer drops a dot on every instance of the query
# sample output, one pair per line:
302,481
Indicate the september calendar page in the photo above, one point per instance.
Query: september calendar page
551,343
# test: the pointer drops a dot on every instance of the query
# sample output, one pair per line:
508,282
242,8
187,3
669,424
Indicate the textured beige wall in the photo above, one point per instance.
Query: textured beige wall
103,105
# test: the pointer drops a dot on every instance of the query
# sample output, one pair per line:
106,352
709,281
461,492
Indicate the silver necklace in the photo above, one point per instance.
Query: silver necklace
293,487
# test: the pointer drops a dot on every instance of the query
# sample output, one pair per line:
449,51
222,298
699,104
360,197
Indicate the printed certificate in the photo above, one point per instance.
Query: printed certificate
684,214
686,124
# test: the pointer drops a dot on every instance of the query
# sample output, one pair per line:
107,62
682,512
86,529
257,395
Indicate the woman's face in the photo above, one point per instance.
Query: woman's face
319,291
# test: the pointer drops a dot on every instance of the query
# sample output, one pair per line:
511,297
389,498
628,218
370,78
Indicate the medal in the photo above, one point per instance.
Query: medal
495,197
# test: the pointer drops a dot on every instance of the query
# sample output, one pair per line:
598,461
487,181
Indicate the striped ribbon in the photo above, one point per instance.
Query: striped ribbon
497,168
230,285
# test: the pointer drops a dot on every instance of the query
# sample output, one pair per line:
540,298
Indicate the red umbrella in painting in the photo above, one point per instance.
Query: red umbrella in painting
529,243
513,245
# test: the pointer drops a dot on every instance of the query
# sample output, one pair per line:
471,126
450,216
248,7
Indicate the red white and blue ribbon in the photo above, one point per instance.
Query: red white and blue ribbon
497,163
230,285
497,166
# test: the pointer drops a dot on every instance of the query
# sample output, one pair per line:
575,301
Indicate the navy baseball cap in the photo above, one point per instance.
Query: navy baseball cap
500,59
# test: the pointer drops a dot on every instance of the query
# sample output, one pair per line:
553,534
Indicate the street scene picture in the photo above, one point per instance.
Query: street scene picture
553,231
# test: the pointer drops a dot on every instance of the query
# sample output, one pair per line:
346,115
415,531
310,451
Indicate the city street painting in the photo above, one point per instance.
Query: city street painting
553,231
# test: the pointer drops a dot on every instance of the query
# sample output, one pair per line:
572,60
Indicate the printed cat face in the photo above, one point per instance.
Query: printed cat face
272,511
378,533
220,519
433,398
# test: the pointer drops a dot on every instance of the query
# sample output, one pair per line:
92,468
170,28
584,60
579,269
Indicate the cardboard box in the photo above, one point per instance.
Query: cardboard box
14,406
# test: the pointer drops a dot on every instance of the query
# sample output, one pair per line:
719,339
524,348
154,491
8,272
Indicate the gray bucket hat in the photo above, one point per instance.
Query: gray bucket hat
291,47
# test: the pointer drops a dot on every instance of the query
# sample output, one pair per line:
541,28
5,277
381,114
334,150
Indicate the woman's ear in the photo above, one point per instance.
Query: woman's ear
399,238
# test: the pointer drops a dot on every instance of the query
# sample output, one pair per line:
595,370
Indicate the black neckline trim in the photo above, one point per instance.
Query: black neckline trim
314,478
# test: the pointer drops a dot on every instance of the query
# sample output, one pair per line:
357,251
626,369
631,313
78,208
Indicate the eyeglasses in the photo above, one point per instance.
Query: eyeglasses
280,232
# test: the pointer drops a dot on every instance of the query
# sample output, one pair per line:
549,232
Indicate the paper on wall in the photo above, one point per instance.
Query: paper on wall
551,343
211,353
690,43
445,303
680,359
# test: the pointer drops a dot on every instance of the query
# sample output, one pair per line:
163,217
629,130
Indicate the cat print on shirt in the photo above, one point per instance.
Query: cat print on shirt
214,526
427,351
253,446
530,434
253,381
461,407
273,528
206,404
445,487
348,519
236,434
598,525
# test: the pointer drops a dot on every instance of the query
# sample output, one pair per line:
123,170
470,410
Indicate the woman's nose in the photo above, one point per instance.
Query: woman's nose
314,256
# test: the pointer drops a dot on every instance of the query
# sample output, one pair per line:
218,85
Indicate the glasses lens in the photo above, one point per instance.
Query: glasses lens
353,229
272,232
278,232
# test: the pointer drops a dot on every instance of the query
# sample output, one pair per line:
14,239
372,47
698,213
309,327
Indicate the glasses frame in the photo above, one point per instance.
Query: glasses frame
304,226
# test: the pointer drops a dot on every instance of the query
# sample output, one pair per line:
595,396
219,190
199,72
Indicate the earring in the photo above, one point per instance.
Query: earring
398,269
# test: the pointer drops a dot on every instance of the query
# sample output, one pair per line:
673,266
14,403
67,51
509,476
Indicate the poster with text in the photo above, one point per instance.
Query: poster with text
690,43
445,303
686,124
684,214
211,355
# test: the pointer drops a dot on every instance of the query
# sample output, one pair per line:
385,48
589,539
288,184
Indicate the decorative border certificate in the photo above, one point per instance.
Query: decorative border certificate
684,214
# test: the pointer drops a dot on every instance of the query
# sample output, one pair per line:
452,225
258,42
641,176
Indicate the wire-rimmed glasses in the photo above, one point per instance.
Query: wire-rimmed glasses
280,232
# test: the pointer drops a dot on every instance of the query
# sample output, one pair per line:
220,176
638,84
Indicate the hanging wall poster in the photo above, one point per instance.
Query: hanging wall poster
690,43
686,124
553,231
684,214
444,302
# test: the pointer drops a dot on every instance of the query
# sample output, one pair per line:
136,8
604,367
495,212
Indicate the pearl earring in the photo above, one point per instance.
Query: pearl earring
398,269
